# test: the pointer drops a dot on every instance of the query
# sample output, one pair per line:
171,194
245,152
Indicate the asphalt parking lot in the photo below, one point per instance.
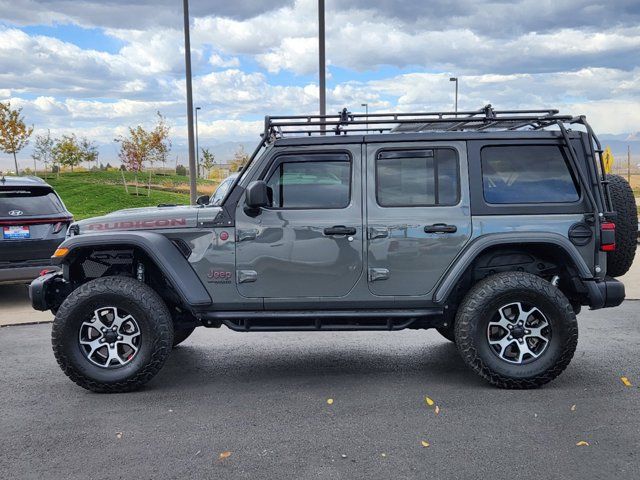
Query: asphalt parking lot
229,405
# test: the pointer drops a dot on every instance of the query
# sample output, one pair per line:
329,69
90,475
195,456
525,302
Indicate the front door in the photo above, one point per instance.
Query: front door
309,242
418,216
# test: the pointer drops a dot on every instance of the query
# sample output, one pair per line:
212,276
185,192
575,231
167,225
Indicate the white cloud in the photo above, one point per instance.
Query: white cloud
216,60
581,58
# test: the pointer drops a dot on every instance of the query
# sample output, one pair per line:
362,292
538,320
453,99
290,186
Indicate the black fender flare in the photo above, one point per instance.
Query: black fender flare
477,246
159,248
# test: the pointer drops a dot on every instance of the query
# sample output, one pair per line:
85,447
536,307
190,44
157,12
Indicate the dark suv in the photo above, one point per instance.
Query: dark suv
34,222
494,227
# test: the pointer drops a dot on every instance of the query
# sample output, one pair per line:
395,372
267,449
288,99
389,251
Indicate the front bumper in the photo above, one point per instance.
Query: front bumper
48,291
606,293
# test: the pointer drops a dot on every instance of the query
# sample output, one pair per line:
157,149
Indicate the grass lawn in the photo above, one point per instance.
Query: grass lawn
89,194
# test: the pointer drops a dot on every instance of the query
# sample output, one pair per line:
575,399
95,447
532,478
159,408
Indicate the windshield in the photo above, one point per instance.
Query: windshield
259,153
222,190
20,201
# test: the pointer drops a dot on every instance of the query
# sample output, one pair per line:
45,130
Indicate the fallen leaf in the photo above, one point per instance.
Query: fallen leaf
437,410
582,443
330,401
428,401
224,455
424,443
573,408
625,381
118,435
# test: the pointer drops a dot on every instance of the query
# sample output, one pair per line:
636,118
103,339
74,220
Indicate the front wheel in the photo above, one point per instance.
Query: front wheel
516,330
112,334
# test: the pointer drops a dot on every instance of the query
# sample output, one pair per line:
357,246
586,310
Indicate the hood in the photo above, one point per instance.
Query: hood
144,218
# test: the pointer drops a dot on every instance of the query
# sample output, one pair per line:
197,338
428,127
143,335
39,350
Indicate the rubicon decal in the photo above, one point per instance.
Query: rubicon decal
138,224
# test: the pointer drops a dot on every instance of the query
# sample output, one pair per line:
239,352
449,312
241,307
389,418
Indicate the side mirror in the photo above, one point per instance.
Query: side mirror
203,200
256,195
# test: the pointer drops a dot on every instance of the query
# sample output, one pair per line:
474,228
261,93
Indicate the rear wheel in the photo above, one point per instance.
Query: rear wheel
624,203
516,330
112,334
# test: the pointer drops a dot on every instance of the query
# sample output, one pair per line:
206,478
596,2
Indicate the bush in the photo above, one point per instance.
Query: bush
181,170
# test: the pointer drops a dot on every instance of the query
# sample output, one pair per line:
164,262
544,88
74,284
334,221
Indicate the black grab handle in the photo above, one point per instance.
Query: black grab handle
440,228
339,230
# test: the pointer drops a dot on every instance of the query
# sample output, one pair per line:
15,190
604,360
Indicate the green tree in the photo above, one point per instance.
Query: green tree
67,151
42,151
208,160
89,151
14,133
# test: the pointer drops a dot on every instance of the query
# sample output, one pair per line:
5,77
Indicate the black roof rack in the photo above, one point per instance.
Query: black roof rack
346,122
485,119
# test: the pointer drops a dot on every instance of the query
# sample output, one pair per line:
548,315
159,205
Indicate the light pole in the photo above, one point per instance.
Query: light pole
187,65
322,64
366,113
197,148
455,79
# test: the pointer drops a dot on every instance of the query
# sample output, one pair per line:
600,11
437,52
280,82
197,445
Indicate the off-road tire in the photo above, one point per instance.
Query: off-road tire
181,334
151,314
481,303
624,203
448,332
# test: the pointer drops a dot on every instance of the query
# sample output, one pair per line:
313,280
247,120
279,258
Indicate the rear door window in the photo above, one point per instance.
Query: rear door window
414,178
29,201
527,174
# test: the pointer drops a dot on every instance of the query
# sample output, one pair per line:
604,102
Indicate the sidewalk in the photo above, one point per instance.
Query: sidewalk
15,307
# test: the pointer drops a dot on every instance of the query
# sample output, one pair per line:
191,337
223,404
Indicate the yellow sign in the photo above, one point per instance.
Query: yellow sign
607,158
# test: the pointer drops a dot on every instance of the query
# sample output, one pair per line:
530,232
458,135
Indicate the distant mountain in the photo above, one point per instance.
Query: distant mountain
619,144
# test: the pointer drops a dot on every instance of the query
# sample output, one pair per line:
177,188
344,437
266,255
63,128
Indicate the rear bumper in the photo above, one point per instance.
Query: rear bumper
606,293
23,274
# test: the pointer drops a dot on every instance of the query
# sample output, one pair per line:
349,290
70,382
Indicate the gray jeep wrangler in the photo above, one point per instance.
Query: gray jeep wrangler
493,227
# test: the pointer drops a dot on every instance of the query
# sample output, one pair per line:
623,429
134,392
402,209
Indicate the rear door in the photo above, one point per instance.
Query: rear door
418,216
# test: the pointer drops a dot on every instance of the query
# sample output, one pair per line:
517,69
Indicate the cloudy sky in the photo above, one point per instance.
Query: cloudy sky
95,67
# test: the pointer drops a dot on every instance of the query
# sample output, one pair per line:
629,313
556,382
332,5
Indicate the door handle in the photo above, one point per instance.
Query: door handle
339,230
440,228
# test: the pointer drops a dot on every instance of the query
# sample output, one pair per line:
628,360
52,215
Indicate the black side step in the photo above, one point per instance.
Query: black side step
326,320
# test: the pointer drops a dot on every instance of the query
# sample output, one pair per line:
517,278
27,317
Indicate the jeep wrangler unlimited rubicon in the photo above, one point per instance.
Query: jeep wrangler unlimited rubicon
494,227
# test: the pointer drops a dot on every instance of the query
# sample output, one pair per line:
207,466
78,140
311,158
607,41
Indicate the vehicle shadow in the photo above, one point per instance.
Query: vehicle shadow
192,366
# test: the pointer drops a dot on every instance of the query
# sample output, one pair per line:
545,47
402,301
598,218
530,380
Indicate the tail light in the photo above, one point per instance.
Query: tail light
607,236
57,227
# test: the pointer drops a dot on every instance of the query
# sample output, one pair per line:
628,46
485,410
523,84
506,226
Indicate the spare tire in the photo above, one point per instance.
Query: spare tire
624,204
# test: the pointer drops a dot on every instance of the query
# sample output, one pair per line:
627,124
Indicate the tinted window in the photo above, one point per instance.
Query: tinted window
417,177
526,174
311,184
34,201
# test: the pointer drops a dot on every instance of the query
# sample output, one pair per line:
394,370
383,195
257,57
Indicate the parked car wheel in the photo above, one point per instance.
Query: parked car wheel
624,203
516,330
181,334
112,334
